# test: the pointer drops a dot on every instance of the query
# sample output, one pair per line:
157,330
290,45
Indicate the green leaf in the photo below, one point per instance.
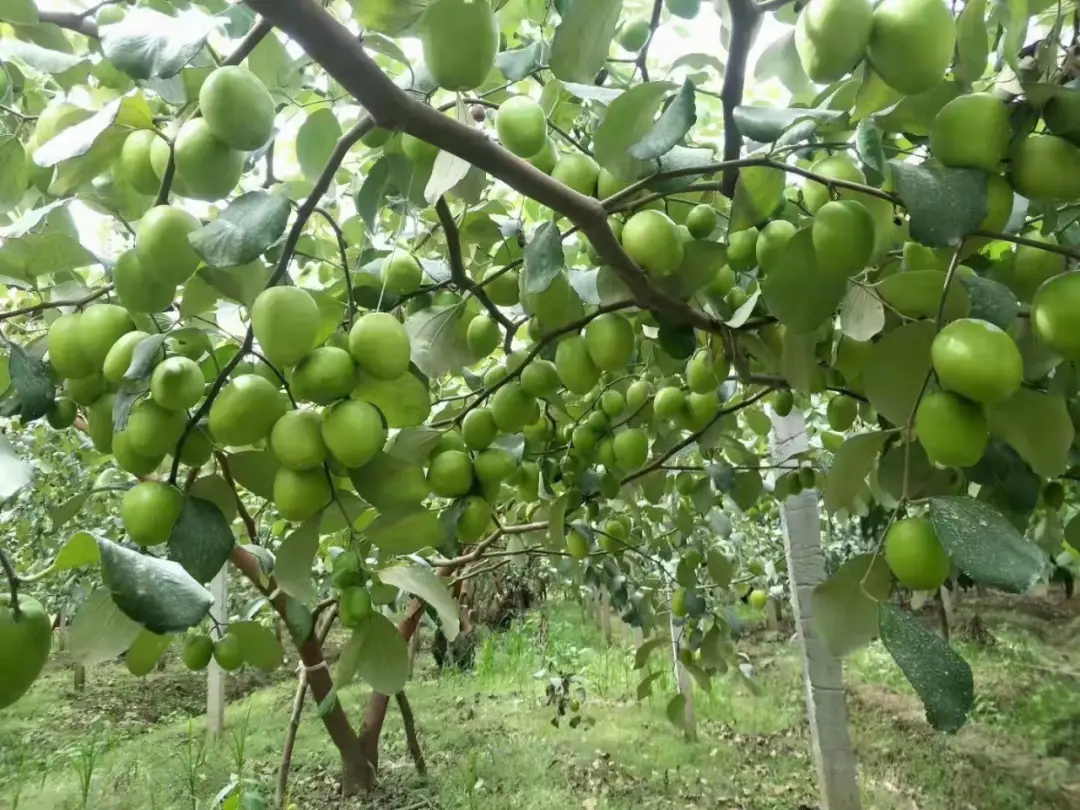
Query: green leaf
641,655
201,540
446,173
384,655
406,530
14,176
259,646
544,258
99,631
845,605
146,652
369,199
79,550
147,44
972,42
145,357
390,17
758,192
629,118
701,259
422,583
862,314
583,38
746,489
437,338
873,95
945,204
720,568
241,284
33,383
251,224
683,158
644,689
254,470
1037,426
798,364
897,366
924,479
1014,25
158,594
348,663
315,142
868,140
990,300
984,545
941,678
676,711
670,128
556,515
851,464
798,291
20,12
215,489
342,514
42,59
917,294
518,63
767,124
115,119
414,445
14,472
295,557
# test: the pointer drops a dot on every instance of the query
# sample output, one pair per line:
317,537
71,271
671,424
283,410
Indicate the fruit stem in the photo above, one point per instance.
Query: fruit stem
13,582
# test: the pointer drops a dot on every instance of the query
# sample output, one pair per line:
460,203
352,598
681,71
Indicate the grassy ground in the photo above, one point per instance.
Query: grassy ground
126,744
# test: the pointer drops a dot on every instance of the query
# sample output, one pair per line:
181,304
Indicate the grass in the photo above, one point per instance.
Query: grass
490,743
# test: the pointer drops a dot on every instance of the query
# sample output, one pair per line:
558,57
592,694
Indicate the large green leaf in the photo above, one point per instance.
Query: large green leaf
33,383
670,128
295,556
259,645
20,12
984,545
945,204
100,632
79,550
201,540
251,224
148,44
437,339
15,473
991,301
406,530
1037,426
158,594
315,142
767,124
383,655
14,177
862,315
972,42
918,294
543,258
894,373
941,678
851,464
758,192
254,470
799,291
582,39
422,583
845,605
629,118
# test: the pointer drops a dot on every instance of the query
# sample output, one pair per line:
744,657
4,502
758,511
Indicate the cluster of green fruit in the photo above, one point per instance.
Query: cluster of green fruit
199,649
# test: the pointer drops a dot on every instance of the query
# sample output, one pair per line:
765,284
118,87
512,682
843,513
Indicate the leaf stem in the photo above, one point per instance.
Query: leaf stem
13,582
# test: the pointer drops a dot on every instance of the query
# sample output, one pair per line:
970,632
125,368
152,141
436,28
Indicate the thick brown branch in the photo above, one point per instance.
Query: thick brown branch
409,724
745,20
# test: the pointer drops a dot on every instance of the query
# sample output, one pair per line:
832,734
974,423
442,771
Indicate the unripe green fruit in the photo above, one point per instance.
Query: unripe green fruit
460,39
613,403
579,172
483,336
154,431
912,43
609,339
770,245
478,429
540,378
197,448
449,440
300,494
783,402
134,164
353,431
831,37
402,273
228,653
493,465
598,421
574,366
1054,312
583,439
324,376
705,372
450,474
522,126
639,393
977,360
286,322
380,346
843,236
1045,168
475,519
237,107
162,246
99,422
513,409
198,650
139,289
952,430
653,241
208,169
841,412
835,167
245,411
296,440
742,250
100,326
66,353
758,599
149,510
1032,267
669,403
687,9
62,413
177,383
546,159
577,544
502,289
118,360
28,641
701,221
634,35
972,131
354,605
915,554
419,152
701,409
85,390
631,449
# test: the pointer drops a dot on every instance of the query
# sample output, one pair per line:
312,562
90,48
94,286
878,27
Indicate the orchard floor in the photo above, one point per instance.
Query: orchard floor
127,744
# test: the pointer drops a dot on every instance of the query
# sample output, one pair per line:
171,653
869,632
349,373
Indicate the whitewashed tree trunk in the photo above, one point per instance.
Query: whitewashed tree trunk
604,611
823,673
215,675
686,685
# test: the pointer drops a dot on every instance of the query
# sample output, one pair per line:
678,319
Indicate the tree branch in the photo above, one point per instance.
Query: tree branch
339,234
745,20
643,55
344,58
13,583
78,302
72,21
409,724
245,516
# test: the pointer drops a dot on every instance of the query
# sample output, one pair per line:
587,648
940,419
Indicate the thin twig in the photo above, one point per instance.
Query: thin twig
340,235
408,722
78,302
643,55
245,516
13,583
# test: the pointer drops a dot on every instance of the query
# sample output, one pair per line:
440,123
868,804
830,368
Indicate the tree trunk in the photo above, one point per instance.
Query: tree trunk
686,685
948,617
823,673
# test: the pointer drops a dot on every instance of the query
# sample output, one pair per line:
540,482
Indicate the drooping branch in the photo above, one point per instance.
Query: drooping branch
745,20
334,47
